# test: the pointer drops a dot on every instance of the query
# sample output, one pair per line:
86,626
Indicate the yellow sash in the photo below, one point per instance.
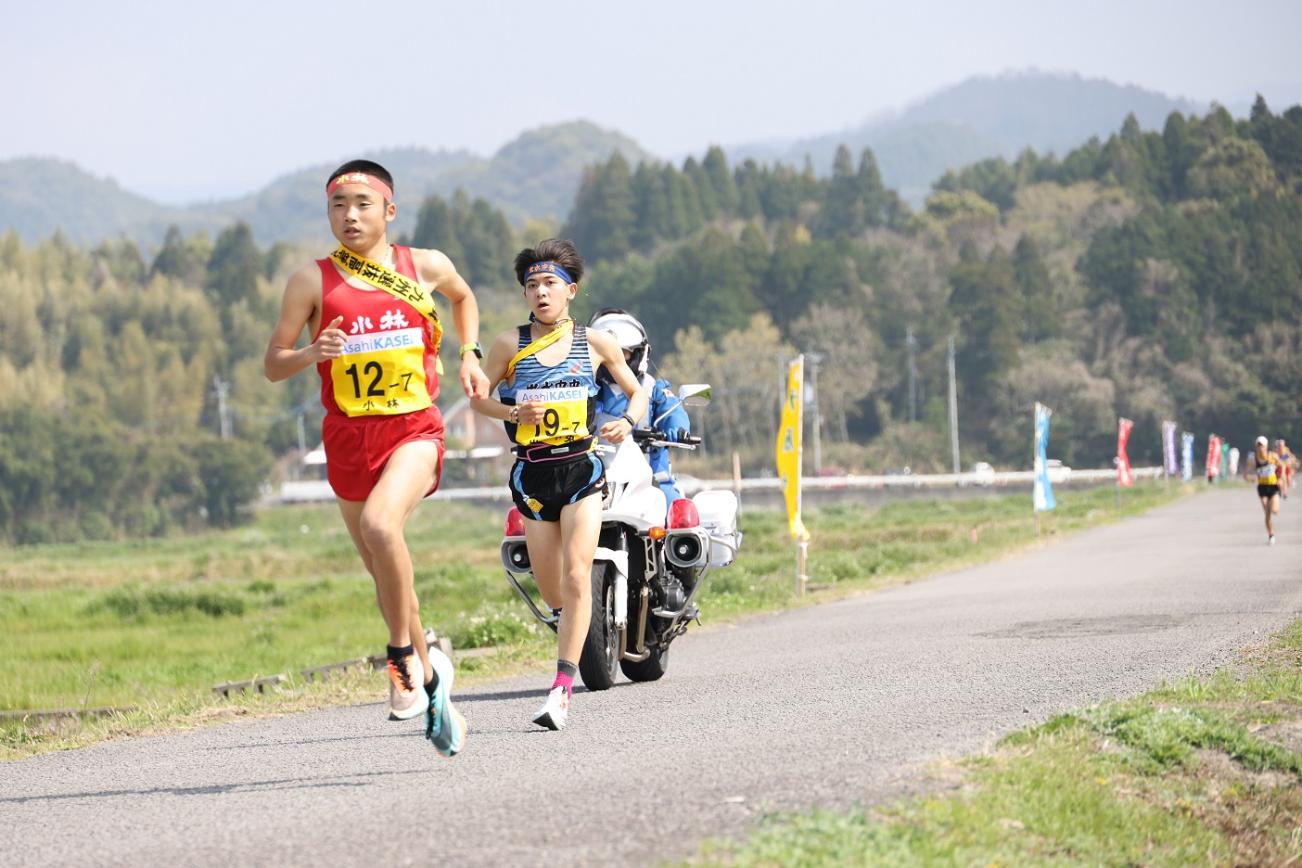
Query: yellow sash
397,285
539,345
566,416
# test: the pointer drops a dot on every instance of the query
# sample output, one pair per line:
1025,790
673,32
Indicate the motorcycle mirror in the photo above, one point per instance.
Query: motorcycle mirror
695,394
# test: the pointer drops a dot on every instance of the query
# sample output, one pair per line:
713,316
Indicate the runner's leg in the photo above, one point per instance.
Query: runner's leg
544,541
377,527
580,527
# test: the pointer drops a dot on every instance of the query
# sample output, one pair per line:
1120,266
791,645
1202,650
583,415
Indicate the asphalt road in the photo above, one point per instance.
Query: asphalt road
844,702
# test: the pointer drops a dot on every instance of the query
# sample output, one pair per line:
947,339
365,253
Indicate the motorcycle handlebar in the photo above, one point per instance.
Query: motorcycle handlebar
655,438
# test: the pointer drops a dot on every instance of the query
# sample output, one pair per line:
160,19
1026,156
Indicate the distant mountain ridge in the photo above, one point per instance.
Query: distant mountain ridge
535,175
981,117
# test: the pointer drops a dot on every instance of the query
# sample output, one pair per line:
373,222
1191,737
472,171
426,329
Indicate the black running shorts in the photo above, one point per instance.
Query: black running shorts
1267,490
540,489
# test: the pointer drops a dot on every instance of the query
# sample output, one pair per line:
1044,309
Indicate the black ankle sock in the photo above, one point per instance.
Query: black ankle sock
565,667
396,654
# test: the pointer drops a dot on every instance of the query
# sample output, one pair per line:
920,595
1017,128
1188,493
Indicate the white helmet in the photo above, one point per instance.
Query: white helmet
628,332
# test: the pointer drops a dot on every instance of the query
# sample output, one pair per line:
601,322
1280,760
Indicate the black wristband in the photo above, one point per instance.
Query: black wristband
629,419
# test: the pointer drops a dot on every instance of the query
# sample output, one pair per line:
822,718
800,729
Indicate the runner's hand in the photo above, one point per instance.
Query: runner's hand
330,343
473,378
615,430
532,412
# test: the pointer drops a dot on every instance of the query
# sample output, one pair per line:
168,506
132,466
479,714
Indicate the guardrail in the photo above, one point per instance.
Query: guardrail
307,491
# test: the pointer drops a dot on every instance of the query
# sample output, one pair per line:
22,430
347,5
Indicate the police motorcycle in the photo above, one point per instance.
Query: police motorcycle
651,560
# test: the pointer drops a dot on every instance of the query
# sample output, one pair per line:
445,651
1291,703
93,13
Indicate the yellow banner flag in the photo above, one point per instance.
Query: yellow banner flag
788,452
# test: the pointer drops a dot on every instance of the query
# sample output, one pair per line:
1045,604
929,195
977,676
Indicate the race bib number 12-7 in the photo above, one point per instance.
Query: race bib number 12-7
381,374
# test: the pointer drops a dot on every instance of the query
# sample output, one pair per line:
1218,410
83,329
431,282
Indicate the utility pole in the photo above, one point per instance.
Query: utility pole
953,409
302,435
912,344
222,389
814,359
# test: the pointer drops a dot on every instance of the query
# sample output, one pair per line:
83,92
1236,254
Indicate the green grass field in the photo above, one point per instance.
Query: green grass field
155,624
1205,771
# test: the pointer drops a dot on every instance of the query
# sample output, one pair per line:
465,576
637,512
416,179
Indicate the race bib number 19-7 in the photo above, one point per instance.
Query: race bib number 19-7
565,419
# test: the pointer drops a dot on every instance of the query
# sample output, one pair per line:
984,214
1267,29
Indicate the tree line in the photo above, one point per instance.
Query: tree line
1152,275
111,364
1155,275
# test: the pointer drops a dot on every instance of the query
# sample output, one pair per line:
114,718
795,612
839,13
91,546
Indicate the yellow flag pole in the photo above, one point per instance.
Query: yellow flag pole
802,538
788,456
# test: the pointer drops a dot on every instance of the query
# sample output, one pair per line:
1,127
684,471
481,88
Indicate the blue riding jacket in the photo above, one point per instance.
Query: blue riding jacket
613,403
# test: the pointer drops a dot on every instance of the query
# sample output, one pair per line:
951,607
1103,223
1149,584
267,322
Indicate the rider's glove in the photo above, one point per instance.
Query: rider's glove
677,435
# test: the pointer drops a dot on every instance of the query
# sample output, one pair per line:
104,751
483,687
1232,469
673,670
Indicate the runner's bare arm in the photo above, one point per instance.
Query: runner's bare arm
499,354
607,352
301,306
435,269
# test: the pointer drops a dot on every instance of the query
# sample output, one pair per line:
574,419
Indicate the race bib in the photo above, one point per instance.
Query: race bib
381,374
565,419
1266,474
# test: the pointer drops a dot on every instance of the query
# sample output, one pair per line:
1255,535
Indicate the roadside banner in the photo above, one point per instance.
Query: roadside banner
1186,456
1124,476
788,451
1234,461
1170,463
1213,464
1225,460
1042,492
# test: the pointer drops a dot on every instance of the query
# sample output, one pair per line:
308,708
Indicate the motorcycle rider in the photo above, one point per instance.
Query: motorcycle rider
665,413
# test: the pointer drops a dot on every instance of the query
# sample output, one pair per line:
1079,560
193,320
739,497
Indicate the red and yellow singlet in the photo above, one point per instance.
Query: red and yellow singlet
389,364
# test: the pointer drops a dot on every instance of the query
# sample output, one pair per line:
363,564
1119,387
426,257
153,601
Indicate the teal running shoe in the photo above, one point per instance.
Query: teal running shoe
444,725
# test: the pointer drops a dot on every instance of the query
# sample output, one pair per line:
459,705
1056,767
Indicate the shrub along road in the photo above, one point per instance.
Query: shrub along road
833,704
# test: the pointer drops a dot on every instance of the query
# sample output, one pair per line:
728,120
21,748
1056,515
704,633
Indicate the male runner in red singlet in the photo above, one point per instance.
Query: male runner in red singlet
1286,467
375,339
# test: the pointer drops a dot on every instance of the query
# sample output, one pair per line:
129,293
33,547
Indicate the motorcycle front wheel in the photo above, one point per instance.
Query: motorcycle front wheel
599,662
651,669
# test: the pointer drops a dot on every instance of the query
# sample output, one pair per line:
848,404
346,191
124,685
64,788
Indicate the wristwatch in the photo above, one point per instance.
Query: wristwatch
472,347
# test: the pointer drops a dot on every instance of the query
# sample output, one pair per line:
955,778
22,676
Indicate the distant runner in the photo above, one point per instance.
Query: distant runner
1287,464
1267,467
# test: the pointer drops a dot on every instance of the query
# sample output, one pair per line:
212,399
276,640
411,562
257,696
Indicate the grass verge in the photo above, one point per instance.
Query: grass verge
1205,771
155,624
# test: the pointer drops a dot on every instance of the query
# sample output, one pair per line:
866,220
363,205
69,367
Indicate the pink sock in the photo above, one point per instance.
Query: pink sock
563,680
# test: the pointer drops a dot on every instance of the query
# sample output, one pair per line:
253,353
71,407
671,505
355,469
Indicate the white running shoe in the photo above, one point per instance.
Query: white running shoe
1272,540
407,697
555,710
444,725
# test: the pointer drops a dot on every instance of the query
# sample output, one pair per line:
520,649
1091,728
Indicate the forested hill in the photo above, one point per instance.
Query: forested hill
532,176
983,116
1154,275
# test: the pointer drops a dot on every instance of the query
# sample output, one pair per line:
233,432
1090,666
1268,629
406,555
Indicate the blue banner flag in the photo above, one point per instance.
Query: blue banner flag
1042,493
1186,455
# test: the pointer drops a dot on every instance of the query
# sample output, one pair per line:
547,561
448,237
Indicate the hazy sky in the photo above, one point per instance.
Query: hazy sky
181,101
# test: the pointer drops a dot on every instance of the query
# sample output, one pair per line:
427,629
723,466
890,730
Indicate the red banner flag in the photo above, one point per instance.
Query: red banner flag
1213,456
1124,476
